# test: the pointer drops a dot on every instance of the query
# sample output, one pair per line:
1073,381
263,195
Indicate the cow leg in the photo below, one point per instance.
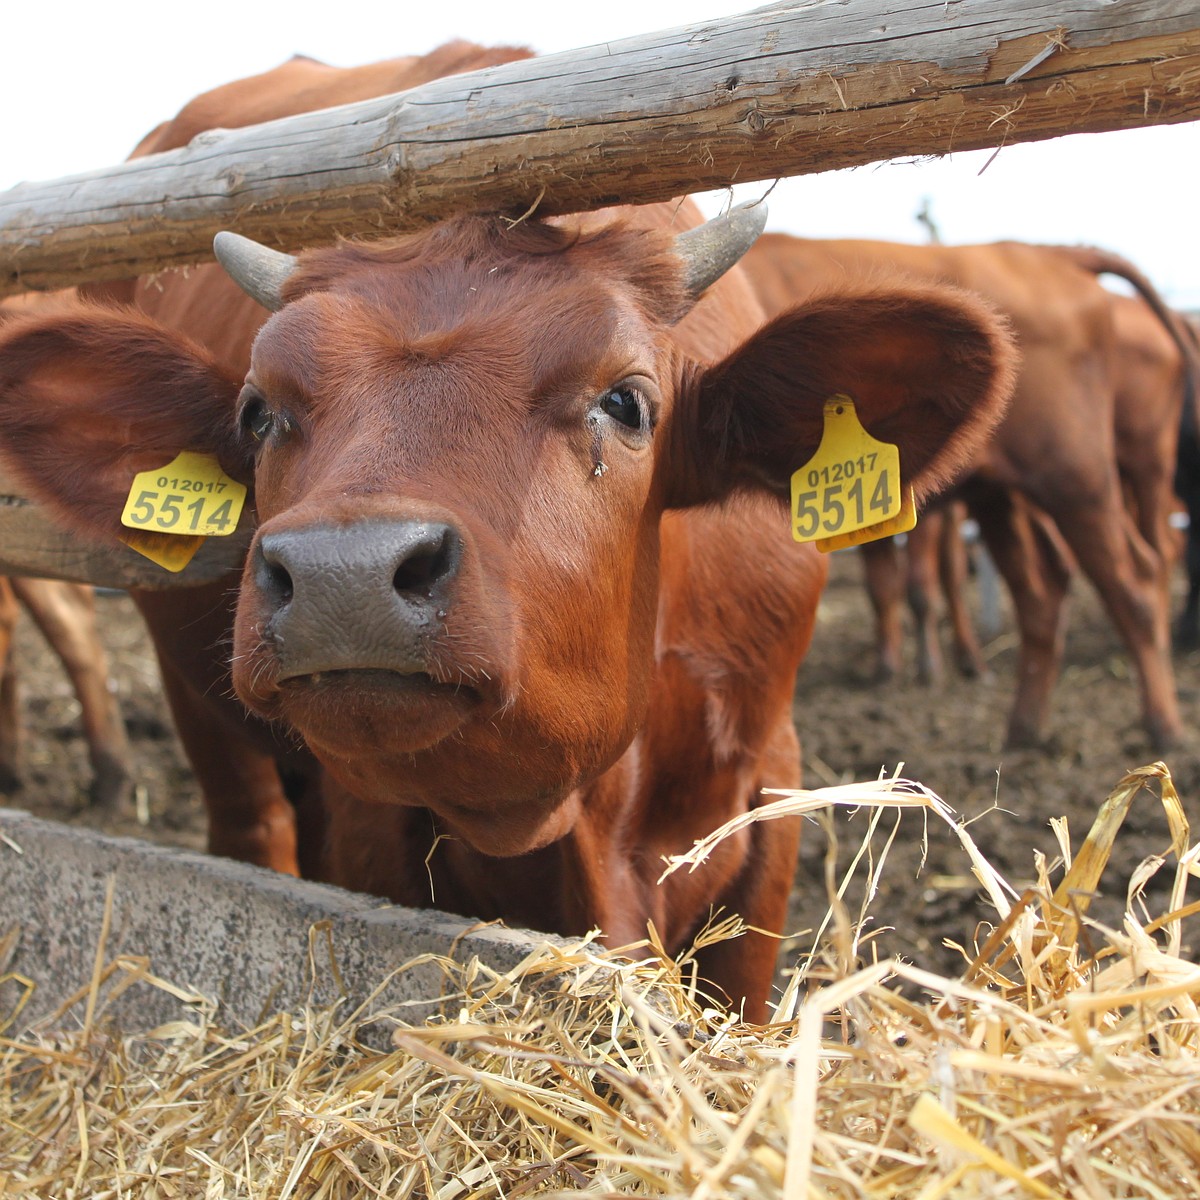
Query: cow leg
234,756
884,584
953,572
1187,627
1154,500
1187,488
1146,519
10,715
745,966
66,615
249,815
1124,572
922,553
1037,575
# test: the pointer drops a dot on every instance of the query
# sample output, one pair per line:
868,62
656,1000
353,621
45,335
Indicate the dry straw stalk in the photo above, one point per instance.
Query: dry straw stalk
1044,1070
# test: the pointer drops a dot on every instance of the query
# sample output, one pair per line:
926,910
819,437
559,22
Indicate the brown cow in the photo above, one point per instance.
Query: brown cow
1057,446
257,780
1187,488
522,581
1151,380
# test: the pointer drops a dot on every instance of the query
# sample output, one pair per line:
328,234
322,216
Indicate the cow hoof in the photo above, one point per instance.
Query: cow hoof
1163,740
1023,738
111,789
984,675
970,666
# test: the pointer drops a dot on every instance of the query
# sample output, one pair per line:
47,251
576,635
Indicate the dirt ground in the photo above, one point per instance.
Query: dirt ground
948,737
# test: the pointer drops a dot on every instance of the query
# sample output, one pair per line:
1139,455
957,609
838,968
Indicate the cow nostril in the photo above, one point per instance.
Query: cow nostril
281,583
426,564
275,581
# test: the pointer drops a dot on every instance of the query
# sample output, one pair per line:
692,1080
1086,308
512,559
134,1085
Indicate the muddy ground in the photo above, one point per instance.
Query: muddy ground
949,737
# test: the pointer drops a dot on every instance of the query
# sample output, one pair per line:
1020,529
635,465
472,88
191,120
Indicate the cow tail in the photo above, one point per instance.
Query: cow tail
1183,332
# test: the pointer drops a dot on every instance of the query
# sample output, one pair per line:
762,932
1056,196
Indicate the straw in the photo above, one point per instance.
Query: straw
1055,1065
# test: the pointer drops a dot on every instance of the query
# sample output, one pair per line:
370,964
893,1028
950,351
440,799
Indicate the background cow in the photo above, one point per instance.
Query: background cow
1058,446
1187,488
522,613
1153,406
66,615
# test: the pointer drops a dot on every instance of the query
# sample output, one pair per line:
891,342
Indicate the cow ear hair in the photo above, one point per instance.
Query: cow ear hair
929,369
90,396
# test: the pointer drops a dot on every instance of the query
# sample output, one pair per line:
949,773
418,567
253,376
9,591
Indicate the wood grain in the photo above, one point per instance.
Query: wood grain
790,89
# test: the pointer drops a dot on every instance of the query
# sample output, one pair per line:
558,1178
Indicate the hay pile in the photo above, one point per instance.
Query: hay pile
1045,1070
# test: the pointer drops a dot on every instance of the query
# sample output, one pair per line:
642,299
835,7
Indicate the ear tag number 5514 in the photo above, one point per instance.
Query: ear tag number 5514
189,499
849,491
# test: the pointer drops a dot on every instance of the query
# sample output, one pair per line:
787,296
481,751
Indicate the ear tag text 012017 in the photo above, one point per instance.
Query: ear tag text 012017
849,491
181,504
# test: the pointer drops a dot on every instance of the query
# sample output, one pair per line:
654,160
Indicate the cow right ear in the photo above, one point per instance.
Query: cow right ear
90,396
930,370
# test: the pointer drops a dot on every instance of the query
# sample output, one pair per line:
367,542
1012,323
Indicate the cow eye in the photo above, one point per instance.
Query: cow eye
257,419
623,405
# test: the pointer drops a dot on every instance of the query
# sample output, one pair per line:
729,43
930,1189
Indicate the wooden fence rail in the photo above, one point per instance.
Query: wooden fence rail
790,89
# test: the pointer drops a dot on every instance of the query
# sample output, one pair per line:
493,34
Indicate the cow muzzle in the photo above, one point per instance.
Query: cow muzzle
371,596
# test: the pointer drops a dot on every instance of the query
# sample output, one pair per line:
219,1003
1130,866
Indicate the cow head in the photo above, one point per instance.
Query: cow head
462,444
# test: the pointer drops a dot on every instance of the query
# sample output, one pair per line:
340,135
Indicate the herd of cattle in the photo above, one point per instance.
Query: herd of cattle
522,613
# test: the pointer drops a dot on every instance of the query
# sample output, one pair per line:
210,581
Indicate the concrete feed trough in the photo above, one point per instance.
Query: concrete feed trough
238,934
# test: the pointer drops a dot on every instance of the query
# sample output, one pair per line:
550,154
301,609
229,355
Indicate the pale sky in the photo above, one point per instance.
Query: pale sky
82,82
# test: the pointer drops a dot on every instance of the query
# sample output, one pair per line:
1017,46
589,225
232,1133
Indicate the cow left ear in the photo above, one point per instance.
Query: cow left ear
90,396
930,371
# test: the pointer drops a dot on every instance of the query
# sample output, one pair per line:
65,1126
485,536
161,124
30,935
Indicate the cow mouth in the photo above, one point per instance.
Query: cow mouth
416,683
371,709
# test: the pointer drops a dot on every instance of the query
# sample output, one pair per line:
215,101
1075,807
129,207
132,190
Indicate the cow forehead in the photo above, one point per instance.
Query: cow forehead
537,347
477,268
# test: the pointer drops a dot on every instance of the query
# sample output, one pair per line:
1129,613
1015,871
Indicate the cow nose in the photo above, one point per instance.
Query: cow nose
361,596
415,555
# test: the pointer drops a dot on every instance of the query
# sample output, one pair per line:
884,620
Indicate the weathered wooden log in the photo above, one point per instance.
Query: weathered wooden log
790,89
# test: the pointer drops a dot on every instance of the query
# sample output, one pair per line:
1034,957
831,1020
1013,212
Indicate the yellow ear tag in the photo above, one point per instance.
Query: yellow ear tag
172,551
849,491
189,499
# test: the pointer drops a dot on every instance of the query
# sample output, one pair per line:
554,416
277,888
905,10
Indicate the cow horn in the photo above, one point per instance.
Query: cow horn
259,271
711,249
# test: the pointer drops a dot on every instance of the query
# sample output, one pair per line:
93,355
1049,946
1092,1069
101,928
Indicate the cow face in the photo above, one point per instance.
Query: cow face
462,445
452,589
